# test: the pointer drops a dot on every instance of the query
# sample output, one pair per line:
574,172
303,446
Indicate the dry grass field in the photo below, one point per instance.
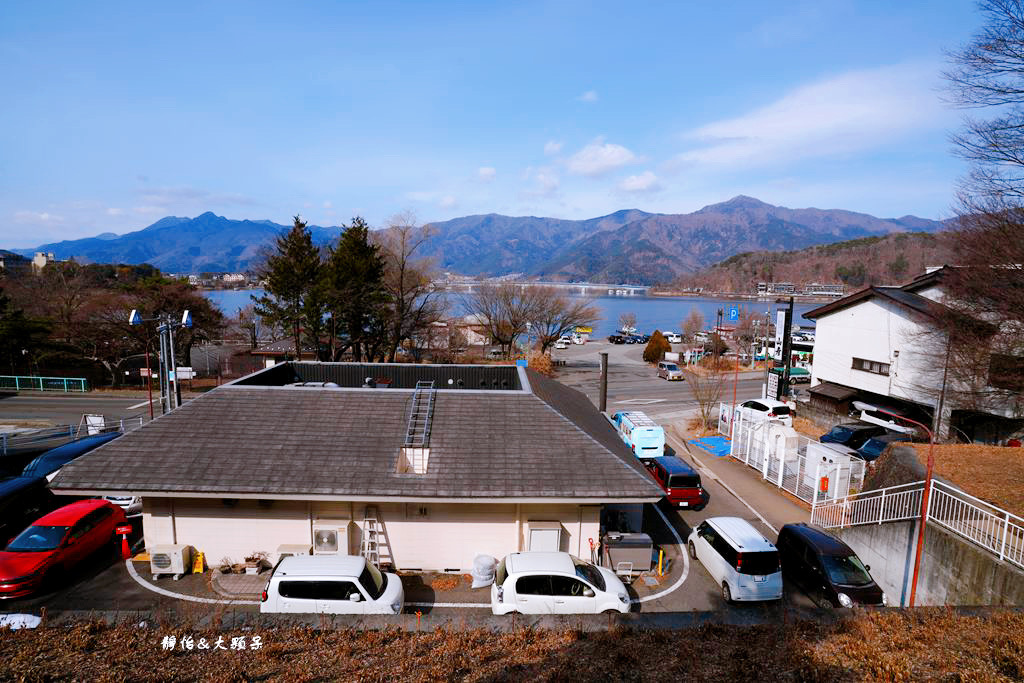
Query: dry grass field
918,645
992,473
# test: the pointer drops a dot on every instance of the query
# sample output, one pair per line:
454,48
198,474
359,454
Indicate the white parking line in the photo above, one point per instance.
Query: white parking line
181,596
139,405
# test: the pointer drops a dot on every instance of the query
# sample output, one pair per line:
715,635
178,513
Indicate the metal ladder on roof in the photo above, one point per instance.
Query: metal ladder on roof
421,411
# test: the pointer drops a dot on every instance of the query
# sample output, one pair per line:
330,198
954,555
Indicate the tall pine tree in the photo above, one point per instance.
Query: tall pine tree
294,299
355,292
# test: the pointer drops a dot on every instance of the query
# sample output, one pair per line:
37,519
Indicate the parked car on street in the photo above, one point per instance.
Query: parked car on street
535,582
679,481
56,543
561,344
852,434
674,338
616,339
740,560
873,447
49,463
768,408
826,568
331,584
670,371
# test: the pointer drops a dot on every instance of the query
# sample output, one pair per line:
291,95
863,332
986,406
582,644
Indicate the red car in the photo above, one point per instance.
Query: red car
55,544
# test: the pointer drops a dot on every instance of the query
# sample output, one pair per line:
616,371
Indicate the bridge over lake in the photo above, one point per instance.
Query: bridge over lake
583,288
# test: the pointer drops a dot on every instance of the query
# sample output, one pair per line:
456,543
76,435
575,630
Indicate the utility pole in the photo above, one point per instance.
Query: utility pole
169,398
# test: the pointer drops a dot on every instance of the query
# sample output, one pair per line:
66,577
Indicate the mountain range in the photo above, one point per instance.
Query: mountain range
628,246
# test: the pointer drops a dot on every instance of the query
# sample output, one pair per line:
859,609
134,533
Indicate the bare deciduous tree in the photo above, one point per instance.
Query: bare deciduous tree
504,309
707,385
692,324
988,73
559,314
414,304
627,321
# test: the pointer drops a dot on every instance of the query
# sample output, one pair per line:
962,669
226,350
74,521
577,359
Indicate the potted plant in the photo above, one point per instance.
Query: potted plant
255,562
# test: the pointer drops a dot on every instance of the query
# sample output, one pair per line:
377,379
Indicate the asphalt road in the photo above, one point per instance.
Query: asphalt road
63,409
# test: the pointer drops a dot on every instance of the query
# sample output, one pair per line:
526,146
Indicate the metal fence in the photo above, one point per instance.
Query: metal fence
992,528
25,383
51,437
809,470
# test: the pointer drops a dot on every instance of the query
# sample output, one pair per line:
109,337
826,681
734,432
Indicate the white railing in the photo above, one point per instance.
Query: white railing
992,528
790,461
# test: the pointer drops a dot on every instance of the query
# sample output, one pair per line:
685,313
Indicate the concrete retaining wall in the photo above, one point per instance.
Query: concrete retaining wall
953,571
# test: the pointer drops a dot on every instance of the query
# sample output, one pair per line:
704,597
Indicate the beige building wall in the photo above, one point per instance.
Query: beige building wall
426,536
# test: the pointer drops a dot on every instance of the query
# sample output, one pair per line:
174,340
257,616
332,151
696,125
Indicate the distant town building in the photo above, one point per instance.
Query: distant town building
233,277
40,260
813,289
193,280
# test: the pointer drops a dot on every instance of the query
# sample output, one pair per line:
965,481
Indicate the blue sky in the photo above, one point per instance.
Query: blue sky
117,114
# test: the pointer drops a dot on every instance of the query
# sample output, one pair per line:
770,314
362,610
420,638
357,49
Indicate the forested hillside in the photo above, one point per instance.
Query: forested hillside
888,260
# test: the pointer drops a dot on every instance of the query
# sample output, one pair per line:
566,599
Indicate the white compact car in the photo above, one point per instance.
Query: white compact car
132,505
331,584
741,561
537,582
769,409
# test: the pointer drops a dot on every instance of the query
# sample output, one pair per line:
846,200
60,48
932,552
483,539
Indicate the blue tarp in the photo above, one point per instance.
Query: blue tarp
715,445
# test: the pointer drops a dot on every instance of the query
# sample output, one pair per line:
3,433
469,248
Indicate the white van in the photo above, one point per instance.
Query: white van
538,582
674,338
331,584
742,561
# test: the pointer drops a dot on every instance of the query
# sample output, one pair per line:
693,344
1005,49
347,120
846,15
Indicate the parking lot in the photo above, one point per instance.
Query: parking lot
686,586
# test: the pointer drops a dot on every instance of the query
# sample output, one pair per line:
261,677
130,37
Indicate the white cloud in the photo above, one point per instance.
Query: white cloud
486,173
447,202
552,147
328,204
37,217
589,96
645,182
544,182
833,117
114,211
599,157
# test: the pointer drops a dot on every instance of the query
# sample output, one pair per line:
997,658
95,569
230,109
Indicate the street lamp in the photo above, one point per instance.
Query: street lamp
168,365
924,494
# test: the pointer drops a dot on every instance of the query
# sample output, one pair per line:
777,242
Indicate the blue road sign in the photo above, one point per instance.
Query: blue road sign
734,313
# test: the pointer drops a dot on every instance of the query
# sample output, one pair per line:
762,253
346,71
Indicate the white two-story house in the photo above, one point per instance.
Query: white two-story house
881,346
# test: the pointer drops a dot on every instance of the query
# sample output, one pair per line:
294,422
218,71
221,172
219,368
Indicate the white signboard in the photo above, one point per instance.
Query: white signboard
773,385
780,328
186,373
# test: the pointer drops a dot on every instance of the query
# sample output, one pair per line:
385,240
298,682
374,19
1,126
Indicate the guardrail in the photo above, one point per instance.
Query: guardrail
49,436
28,383
993,529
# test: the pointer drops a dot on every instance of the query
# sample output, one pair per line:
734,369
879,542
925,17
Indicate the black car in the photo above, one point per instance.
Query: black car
852,434
826,568
616,339
873,447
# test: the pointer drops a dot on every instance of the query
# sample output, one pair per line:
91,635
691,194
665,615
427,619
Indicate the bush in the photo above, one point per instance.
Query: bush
541,362
656,347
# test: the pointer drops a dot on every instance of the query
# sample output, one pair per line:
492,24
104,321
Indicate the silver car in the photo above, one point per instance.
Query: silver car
669,371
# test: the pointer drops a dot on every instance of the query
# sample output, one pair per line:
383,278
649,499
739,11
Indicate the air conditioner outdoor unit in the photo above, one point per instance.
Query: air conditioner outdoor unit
330,537
170,559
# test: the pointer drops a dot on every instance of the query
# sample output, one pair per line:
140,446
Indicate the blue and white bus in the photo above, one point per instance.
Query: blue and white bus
645,437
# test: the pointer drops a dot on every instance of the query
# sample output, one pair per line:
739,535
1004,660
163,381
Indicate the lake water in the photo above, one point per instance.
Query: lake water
664,313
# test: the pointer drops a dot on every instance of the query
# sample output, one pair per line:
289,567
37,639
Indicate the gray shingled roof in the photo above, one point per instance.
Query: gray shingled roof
323,442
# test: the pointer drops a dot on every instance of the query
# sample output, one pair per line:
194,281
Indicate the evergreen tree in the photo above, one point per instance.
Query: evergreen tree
355,293
293,299
657,346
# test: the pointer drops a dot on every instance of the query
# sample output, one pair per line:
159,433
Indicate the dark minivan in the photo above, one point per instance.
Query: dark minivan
680,482
852,434
825,568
